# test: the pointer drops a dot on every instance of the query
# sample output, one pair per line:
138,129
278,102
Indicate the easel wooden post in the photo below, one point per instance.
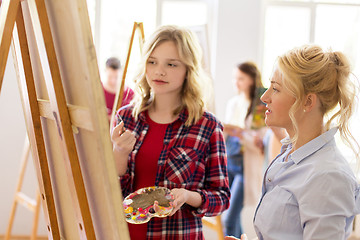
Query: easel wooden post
217,226
11,12
52,124
20,198
30,204
138,26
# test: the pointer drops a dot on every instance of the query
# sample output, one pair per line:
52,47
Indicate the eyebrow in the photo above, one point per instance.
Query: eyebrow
275,83
168,59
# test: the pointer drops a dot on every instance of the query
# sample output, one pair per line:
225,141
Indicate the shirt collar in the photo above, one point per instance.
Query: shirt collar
310,147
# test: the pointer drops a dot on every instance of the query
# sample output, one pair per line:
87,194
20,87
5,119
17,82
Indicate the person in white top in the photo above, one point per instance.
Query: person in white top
238,114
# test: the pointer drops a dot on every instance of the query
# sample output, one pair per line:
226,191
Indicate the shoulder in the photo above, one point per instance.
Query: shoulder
209,119
330,168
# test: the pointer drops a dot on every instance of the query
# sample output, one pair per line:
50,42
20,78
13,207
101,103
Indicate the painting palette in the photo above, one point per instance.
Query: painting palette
139,205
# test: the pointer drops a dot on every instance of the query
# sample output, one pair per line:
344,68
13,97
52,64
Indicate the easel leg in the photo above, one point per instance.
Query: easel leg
41,161
24,160
8,12
36,217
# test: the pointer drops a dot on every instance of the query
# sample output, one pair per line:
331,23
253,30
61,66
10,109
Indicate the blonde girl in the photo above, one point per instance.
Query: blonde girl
166,138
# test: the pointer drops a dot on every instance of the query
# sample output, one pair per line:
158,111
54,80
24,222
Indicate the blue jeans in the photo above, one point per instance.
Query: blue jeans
232,219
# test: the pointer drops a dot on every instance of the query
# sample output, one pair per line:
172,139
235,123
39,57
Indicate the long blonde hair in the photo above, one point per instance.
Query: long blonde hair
190,54
308,69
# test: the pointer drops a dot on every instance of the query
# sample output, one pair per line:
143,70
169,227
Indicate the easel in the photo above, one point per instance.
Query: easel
66,117
11,12
21,198
138,26
215,225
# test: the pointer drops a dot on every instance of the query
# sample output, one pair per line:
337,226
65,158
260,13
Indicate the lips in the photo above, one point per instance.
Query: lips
160,82
268,111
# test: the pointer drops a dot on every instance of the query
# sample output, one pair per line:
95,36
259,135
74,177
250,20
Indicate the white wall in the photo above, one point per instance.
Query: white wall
236,39
12,135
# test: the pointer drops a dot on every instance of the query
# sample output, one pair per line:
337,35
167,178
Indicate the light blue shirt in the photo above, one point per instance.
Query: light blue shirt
314,195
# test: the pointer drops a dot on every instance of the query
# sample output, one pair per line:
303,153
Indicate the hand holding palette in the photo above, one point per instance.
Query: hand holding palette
139,205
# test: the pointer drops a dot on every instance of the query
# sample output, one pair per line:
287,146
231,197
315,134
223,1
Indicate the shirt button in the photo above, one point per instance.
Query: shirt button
269,179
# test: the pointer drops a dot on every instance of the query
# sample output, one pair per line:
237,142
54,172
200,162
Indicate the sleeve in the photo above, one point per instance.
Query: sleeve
216,193
126,183
326,205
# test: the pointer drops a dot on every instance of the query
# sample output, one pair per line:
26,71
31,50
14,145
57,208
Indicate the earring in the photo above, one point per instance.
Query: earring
304,111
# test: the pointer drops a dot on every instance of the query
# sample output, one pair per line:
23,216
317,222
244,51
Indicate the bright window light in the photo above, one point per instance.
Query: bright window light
195,13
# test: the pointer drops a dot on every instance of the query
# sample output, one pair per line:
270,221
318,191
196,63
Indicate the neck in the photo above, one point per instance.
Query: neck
162,110
110,87
247,94
308,129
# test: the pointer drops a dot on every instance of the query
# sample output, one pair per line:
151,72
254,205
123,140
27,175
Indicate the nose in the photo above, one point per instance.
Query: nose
160,71
265,98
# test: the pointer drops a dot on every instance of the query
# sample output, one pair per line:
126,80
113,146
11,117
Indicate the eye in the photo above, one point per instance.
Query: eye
151,62
275,90
172,65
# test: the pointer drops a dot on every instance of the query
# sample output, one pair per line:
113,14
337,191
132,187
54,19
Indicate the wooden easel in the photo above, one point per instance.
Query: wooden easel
66,117
11,12
215,225
21,198
138,26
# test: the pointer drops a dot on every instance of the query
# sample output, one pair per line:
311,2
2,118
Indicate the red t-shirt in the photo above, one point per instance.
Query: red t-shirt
110,98
146,163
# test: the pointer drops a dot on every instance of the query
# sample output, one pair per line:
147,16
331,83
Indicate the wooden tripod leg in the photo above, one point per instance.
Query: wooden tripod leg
24,160
8,11
140,29
36,217
219,229
36,133
120,92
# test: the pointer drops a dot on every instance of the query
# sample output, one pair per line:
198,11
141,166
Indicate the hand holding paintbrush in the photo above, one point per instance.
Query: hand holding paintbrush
123,143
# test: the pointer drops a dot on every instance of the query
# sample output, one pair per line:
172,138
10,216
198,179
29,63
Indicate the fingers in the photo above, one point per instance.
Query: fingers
244,237
178,202
176,207
123,140
118,130
156,206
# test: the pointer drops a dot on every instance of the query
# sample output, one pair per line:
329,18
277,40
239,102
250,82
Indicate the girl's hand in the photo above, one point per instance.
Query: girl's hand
123,140
181,196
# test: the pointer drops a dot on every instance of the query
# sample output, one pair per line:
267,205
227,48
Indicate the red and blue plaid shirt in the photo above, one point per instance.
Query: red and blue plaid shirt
193,158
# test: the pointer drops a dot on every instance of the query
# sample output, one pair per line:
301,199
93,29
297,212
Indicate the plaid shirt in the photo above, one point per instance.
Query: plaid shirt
193,158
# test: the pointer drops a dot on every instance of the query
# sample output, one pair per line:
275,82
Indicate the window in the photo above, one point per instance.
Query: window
173,13
285,27
115,19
